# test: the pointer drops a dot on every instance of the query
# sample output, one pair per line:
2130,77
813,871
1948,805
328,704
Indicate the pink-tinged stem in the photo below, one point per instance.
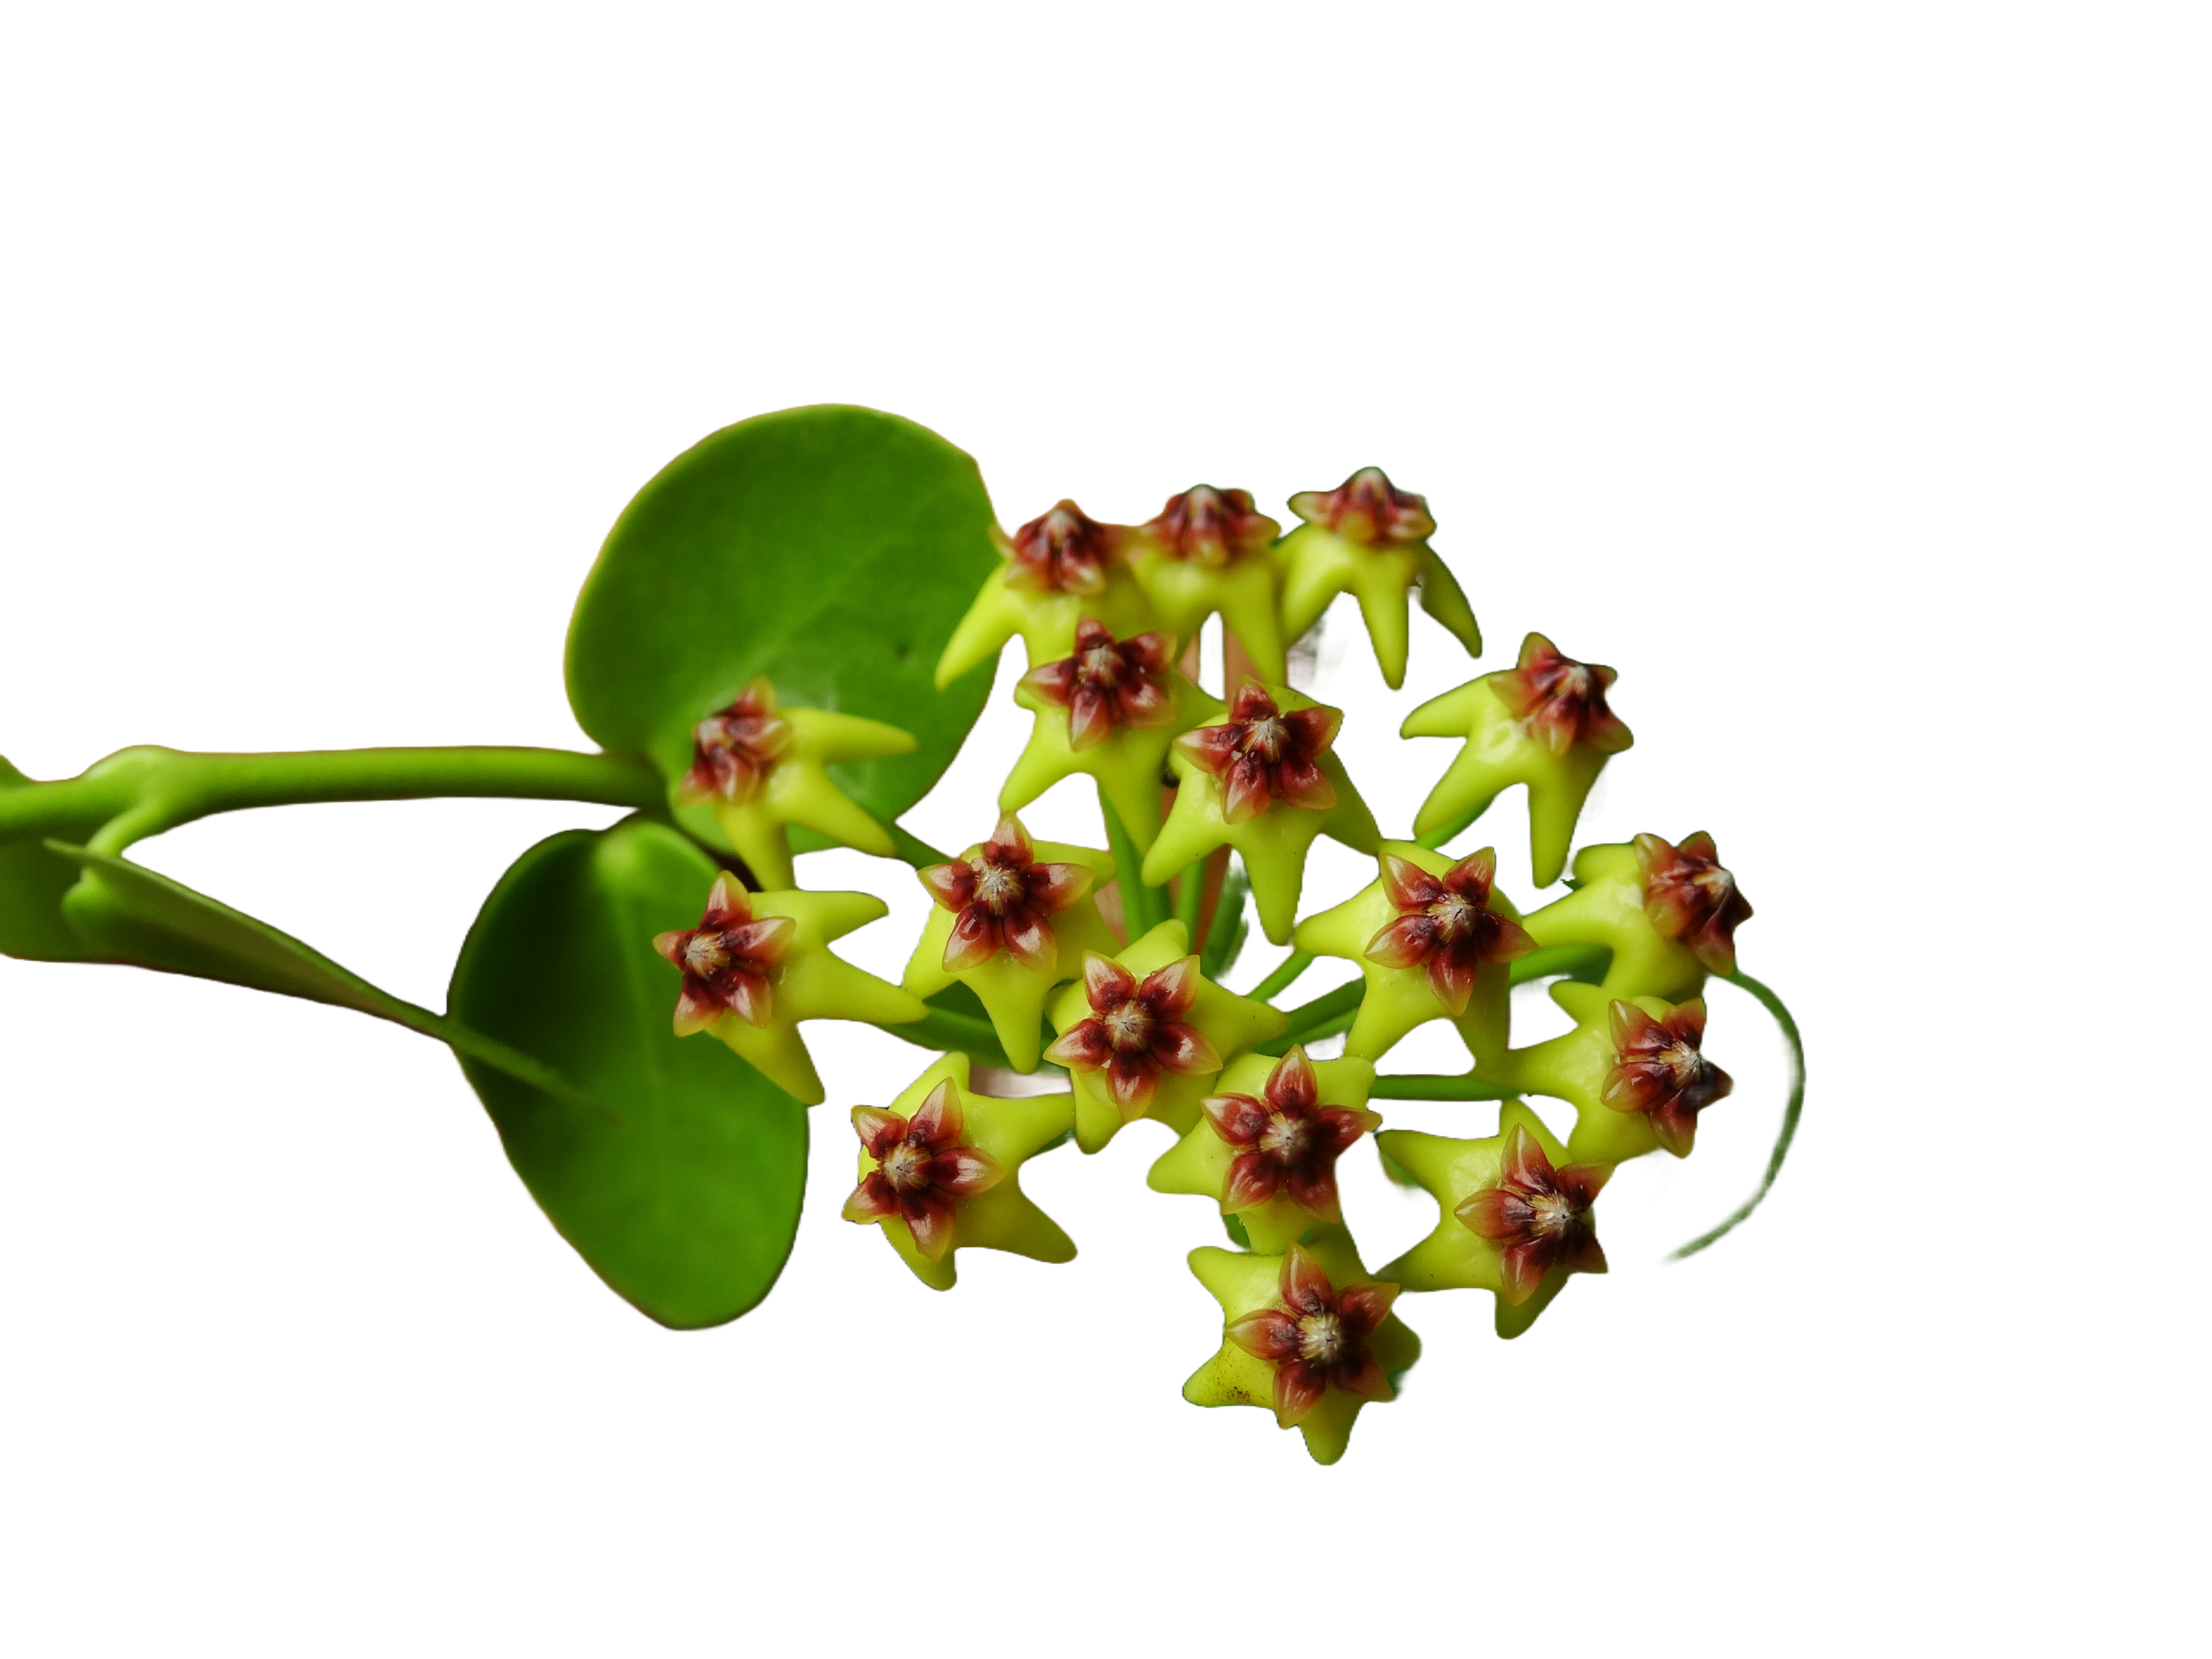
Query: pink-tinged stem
1788,1120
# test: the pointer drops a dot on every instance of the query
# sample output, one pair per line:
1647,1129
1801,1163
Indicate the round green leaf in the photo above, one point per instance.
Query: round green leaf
683,1194
830,548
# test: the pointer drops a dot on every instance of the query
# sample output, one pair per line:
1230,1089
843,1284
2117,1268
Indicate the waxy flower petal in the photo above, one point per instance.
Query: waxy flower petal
1136,1030
1662,1072
1262,755
1690,898
1314,1337
1286,1141
1109,683
1062,551
1367,508
729,960
732,751
1539,1216
1560,701
1001,899
1211,527
1445,925
922,1171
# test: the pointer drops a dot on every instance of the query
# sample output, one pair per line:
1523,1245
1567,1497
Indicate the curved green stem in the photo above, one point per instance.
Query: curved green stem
1319,1017
1774,1005
1411,1085
143,791
1286,975
1190,900
1143,908
1587,963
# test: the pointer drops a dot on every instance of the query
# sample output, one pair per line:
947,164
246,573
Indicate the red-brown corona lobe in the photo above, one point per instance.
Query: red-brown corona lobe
1136,1031
1214,527
1661,1071
729,960
1000,897
1367,508
1445,925
1286,1141
1560,701
731,751
1690,898
1108,682
1062,551
1539,1217
1316,1337
1262,755
922,1171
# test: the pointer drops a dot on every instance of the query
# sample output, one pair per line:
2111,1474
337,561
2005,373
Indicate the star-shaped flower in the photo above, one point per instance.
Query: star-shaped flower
1369,537
1432,938
1660,1070
1668,914
1264,781
1060,567
939,1172
1309,1333
755,768
1012,920
1146,1034
1110,712
1206,552
1544,724
1514,1214
1267,1147
759,964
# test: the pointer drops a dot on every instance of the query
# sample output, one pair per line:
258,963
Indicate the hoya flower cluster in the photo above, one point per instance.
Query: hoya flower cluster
1104,962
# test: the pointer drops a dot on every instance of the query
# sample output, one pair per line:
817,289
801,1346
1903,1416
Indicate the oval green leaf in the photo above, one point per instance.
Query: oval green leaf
830,548
686,1199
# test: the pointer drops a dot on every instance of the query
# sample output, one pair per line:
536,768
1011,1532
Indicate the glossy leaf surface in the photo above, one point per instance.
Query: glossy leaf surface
687,1201
830,548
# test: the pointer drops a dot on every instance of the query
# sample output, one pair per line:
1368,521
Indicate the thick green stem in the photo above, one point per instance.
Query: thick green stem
1286,975
1226,932
143,791
1426,1086
1587,963
1190,899
1318,1018
1791,1035
1143,908
943,1029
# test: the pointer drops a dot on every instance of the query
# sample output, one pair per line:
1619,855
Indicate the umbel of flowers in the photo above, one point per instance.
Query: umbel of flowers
1101,967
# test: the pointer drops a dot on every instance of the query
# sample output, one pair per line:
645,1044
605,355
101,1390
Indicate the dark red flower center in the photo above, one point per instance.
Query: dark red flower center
733,751
1316,1337
1136,1030
1108,682
1286,1142
1446,924
1561,701
1689,896
1368,508
923,1169
1000,897
1659,1069
1262,755
1213,527
729,960
1062,551
1539,1217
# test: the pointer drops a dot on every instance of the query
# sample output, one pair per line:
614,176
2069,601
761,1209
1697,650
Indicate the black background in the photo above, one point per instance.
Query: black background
302,1226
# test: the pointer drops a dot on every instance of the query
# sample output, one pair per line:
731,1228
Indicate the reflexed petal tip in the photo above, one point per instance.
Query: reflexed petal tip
1269,1335
879,1130
872,1200
938,1122
1303,1287
929,1222
1239,1120
1106,982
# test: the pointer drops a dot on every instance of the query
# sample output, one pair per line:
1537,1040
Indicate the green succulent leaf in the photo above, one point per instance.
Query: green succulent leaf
686,1201
832,549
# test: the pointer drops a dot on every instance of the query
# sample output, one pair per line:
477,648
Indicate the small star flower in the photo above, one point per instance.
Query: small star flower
1318,1338
1262,755
1497,1183
1667,914
1544,724
1264,781
1538,1216
756,768
1265,1146
1433,939
939,1172
1205,554
1445,925
733,751
1108,682
1136,1030
1011,920
1689,897
1146,1034
1059,568
922,1171
1370,538
1002,898
759,964
1660,1072
728,960
1562,701
1309,1333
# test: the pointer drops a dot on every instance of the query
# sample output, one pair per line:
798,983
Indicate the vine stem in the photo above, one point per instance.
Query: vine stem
141,792
1143,908
1774,1006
